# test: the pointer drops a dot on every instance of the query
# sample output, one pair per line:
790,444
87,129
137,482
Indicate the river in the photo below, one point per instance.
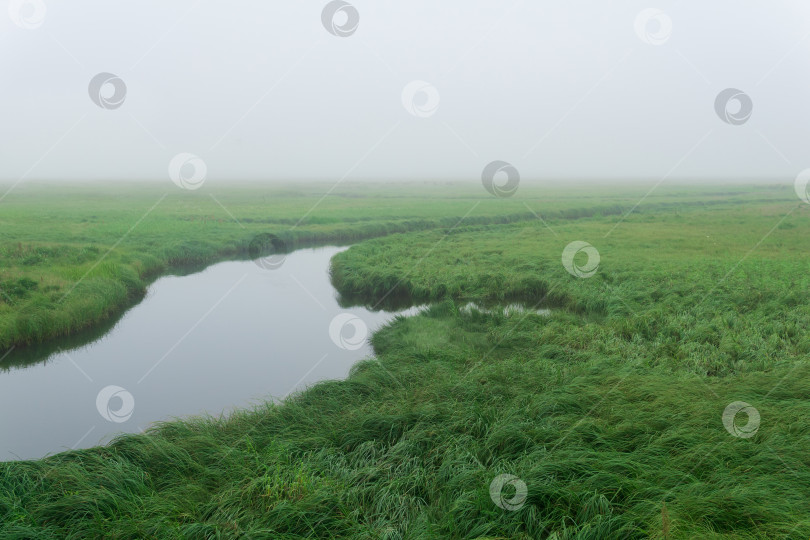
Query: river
234,334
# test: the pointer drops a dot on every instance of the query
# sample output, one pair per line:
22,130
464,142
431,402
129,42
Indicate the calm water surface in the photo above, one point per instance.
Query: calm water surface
227,337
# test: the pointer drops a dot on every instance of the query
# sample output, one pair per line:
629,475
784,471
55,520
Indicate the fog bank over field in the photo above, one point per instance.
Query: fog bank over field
405,90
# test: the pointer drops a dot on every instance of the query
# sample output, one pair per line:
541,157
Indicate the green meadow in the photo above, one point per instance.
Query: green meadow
609,414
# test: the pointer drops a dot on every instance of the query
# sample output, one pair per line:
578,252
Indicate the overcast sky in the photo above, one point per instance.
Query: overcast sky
262,89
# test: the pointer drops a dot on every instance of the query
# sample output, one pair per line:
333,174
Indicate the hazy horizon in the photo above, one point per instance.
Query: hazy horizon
475,182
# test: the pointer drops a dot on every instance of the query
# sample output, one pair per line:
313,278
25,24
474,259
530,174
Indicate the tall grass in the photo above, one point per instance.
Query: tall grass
81,244
609,409
408,447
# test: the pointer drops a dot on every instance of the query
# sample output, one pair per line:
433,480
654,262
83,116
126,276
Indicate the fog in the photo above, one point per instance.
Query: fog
586,90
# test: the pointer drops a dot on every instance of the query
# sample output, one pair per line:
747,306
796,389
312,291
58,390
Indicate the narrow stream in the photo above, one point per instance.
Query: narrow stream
232,335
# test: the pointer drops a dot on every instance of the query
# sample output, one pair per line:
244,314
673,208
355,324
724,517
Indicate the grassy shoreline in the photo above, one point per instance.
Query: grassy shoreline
101,263
91,266
134,289
612,420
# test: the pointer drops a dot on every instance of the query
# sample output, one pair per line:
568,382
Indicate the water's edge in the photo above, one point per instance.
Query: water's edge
233,335
25,353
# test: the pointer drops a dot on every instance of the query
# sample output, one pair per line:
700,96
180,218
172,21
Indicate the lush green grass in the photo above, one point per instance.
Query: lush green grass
73,256
93,248
609,410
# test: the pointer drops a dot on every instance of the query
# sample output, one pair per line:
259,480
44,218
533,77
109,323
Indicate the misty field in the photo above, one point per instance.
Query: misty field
664,396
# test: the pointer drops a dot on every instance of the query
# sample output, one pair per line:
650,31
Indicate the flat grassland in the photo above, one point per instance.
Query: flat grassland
609,410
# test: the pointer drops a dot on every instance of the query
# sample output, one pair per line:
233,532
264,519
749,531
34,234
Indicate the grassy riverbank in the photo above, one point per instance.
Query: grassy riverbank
609,411
73,256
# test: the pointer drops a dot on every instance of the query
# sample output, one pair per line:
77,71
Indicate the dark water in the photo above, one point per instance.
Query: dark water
232,335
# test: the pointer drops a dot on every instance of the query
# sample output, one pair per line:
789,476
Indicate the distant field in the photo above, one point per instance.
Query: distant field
609,411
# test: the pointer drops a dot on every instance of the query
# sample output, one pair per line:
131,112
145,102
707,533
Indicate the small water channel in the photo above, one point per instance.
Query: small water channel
232,335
